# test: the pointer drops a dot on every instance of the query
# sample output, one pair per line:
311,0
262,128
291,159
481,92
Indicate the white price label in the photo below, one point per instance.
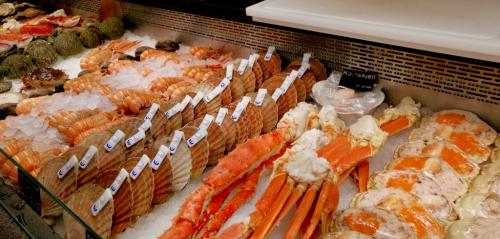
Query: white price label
117,136
117,183
269,53
70,164
252,59
214,93
172,111
197,137
259,99
220,116
152,111
207,120
306,58
159,157
135,138
88,156
145,126
289,80
223,84
176,139
242,105
197,98
229,71
302,70
101,202
185,102
277,93
242,66
139,167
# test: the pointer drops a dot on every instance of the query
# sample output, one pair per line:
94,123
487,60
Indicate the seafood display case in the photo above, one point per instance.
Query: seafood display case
188,119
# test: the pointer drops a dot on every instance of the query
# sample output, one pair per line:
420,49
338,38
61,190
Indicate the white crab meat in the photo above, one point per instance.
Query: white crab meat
306,167
300,119
346,235
428,192
407,108
375,222
488,181
474,228
329,121
367,132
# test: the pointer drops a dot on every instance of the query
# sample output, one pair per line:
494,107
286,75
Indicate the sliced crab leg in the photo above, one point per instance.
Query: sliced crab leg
330,206
318,210
395,126
360,175
247,189
301,213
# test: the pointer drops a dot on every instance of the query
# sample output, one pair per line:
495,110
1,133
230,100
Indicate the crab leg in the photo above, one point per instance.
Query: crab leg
247,189
394,126
360,175
320,206
301,213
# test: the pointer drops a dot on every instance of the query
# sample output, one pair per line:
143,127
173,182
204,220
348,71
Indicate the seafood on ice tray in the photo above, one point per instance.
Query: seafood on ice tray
311,153
434,187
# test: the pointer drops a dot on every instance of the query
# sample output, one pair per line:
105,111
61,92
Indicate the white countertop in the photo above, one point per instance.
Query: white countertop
458,27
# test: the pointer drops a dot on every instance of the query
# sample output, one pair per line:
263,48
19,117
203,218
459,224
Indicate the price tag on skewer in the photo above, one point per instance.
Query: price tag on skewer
159,157
145,126
277,94
152,111
289,80
117,183
88,156
242,105
117,136
214,93
252,59
176,139
101,202
135,138
269,53
220,116
199,135
70,164
197,98
205,123
139,167
302,70
305,58
259,99
242,66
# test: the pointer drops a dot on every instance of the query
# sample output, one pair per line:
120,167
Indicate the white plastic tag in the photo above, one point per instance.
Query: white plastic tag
70,164
303,68
306,58
207,120
176,139
117,183
197,137
172,111
197,98
220,116
139,167
289,80
269,53
277,93
185,102
152,111
242,105
101,202
259,99
145,126
224,83
117,136
229,71
159,157
252,59
88,156
212,94
242,66
135,138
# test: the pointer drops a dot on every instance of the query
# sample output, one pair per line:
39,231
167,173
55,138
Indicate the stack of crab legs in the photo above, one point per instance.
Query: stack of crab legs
312,153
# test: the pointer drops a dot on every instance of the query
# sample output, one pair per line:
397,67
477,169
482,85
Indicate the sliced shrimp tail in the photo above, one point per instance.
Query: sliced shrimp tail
262,230
360,175
301,213
396,125
318,210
